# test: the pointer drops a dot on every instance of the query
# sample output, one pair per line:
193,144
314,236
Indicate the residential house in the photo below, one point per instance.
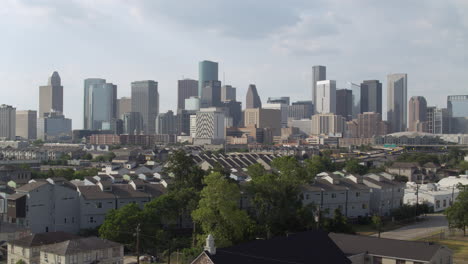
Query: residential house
386,193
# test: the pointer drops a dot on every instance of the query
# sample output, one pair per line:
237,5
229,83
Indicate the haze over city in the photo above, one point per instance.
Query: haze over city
273,44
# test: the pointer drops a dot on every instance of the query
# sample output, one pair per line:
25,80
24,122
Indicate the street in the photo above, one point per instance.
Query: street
431,224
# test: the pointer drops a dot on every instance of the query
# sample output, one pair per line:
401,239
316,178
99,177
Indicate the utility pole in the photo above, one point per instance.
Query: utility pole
138,243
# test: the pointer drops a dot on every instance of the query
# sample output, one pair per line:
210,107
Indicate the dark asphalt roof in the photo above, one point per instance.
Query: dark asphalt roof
43,239
79,245
31,186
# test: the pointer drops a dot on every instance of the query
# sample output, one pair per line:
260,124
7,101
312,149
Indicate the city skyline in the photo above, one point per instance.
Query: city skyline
87,40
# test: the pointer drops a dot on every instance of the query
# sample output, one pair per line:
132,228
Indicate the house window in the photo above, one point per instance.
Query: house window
377,260
400,261
358,194
438,204
364,206
444,202
99,205
91,219
333,195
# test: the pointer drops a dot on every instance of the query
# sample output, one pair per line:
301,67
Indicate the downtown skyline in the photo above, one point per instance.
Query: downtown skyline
277,57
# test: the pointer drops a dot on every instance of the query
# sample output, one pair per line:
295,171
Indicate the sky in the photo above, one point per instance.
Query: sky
272,43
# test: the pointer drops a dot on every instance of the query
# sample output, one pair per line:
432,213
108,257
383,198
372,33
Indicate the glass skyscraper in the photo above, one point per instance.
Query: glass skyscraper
207,71
145,100
397,102
458,110
100,103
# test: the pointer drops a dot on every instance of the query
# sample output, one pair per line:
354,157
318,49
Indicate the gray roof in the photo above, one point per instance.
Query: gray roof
78,245
413,250
43,239
31,186
93,192
127,191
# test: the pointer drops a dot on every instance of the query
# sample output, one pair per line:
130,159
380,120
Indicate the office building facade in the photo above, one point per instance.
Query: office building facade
207,71
325,97
328,124
397,89
124,105
145,100
319,73
263,118
51,95
26,124
166,123
54,127
100,103
371,96
417,114
132,123
186,88
252,99
211,95
438,120
344,103
228,93
7,122
300,110
457,106
210,125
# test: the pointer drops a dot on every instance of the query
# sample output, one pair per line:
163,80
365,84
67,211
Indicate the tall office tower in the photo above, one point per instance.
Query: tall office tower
124,105
328,124
458,109
228,93
319,73
100,103
211,96
356,91
51,95
397,101
300,110
26,124
252,99
371,96
279,100
370,124
284,111
54,126
263,118
438,120
210,127
166,123
145,100
115,125
183,122
234,111
7,122
344,103
186,88
207,71
132,123
193,125
417,114
325,97
192,103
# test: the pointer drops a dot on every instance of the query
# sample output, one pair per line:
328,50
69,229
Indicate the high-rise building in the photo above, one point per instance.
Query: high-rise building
100,103
283,109
192,103
263,118
371,96
211,95
26,124
234,111
210,127
279,100
51,95
228,93
183,122
252,99
115,126
7,122
319,73
300,110
344,103
370,124
325,97
54,126
397,90
457,106
207,71
145,100
328,124
356,94
132,123
186,88
438,120
417,114
124,105
166,123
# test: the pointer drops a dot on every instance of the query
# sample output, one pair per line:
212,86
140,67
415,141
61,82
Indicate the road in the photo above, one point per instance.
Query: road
431,224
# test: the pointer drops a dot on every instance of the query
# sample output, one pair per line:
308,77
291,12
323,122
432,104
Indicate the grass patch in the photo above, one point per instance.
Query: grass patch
369,229
459,247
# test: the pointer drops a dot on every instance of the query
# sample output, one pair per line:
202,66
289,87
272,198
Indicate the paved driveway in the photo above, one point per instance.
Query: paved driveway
432,224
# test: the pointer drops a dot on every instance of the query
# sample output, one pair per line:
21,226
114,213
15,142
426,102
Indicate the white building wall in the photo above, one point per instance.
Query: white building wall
326,97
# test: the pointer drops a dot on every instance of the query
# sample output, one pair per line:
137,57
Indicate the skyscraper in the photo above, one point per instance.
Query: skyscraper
371,96
397,101
300,110
51,95
417,114
207,71
328,124
356,90
145,100
228,93
100,103
186,88
124,105
132,123
211,95
166,123
54,126
344,103
319,73
210,127
26,124
263,118
438,120
458,109
325,97
252,99
7,122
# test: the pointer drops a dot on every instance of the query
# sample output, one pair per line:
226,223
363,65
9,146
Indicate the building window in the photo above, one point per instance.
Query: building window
376,260
91,219
333,195
358,194
438,204
400,261
444,202
99,205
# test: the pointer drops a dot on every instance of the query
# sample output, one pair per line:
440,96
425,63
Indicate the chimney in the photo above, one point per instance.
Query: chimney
210,246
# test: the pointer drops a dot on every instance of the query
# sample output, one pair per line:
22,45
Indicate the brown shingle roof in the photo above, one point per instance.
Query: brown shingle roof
93,192
31,186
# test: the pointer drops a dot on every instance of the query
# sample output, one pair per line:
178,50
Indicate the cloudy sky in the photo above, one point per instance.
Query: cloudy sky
272,43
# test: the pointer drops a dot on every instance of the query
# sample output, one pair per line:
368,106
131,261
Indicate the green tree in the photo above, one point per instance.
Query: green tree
218,212
463,166
377,223
184,170
338,224
256,170
87,156
318,164
457,214
353,166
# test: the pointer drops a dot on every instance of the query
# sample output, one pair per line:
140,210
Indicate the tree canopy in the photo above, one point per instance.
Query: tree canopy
457,214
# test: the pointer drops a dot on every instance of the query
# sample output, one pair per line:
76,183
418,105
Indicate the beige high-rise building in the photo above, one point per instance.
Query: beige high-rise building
26,124
370,124
417,114
7,122
124,105
264,118
327,124
51,95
